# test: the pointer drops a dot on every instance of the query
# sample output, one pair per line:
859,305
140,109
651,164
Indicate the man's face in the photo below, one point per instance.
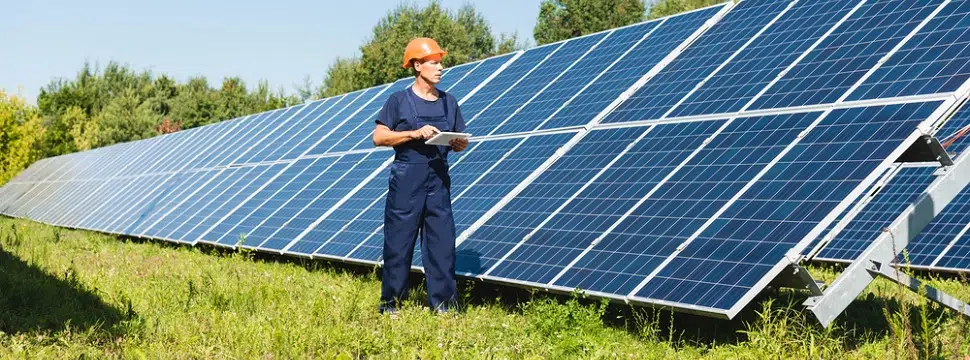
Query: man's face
429,68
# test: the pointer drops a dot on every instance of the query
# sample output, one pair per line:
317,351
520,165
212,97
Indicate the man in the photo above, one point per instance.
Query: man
419,189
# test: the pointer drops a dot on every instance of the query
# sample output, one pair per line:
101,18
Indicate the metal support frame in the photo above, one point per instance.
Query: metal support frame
880,257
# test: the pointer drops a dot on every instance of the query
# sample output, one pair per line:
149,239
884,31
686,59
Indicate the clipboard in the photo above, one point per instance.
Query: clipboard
443,138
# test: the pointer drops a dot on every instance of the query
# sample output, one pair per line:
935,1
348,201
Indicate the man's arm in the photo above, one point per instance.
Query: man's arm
384,136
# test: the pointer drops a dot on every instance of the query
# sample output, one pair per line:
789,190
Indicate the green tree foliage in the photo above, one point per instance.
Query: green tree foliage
663,8
463,33
564,19
20,131
101,107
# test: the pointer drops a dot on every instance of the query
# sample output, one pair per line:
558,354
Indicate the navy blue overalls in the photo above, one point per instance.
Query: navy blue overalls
419,197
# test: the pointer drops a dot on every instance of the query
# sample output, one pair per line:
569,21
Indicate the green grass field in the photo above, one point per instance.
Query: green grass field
73,294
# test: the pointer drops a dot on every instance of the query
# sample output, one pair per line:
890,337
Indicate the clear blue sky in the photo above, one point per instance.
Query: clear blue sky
281,41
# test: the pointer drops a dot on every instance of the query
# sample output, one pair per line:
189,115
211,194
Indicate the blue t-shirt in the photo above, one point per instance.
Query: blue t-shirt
397,115
397,110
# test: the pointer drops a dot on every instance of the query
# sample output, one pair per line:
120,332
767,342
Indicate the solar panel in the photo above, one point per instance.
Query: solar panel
235,226
935,60
486,69
504,81
698,61
531,84
848,54
670,162
904,188
764,59
306,240
885,206
277,144
493,182
360,127
580,75
727,261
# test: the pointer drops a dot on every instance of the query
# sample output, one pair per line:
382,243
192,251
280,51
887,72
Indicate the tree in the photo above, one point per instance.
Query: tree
195,104
20,131
663,8
125,118
464,34
563,19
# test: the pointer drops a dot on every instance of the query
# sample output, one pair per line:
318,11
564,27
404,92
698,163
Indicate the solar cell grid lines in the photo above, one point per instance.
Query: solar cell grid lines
707,53
533,83
677,162
288,221
580,75
764,59
848,54
934,60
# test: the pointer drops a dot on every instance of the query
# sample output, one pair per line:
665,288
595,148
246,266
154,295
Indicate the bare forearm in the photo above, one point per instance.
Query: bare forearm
392,138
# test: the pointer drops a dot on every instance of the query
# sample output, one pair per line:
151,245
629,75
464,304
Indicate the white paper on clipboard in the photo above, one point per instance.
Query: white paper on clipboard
443,138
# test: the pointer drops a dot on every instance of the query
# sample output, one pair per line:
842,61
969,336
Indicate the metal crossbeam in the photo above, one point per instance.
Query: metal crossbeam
884,250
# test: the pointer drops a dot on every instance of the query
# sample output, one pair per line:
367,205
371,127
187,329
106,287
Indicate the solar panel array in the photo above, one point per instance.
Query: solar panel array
676,162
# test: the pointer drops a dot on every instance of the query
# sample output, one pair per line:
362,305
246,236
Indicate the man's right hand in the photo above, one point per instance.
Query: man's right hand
425,132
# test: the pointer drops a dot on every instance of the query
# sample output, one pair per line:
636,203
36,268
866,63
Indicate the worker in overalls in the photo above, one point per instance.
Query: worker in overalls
419,189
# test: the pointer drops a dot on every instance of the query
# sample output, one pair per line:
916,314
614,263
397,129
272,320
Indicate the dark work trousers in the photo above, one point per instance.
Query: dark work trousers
419,198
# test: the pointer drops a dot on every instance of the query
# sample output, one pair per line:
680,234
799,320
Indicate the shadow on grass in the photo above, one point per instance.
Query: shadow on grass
34,301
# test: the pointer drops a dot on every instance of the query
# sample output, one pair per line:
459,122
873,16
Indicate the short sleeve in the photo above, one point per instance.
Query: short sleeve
389,114
459,120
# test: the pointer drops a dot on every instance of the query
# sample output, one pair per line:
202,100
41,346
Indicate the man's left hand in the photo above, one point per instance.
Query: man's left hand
458,144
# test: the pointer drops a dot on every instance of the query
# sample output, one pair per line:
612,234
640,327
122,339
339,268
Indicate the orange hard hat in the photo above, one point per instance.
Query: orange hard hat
420,48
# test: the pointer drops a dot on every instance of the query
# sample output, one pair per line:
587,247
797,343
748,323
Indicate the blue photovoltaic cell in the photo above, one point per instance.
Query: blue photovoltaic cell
155,200
497,236
529,85
281,141
474,78
297,213
452,76
359,217
958,257
759,63
117,208
280,118
325,124
572,81
663,91
212,137
847,54
193,151
469,203
231,143
191,203
681,205
601,204
742,245
889,202
225,203
237,225
317,235
323,119
360,138
935,60
350,118
885,207
627,70
504,80
945,227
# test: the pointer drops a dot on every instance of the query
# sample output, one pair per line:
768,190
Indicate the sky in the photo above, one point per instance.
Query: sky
281,41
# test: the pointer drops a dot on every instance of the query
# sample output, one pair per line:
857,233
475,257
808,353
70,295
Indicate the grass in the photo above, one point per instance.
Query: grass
74,294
